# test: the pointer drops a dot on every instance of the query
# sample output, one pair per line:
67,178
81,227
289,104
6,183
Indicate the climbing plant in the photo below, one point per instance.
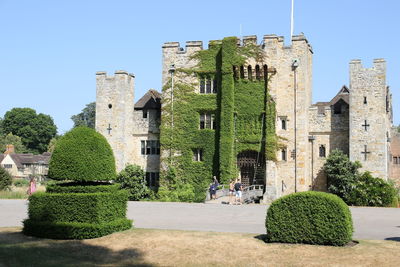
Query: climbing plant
242,109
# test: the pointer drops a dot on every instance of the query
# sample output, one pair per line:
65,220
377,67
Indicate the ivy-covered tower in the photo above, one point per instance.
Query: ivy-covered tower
224,106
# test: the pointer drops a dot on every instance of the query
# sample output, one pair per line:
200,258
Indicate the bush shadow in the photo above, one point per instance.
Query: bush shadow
16,249
395,238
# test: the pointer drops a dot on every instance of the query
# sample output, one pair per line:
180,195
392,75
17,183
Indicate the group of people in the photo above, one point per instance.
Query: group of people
235,191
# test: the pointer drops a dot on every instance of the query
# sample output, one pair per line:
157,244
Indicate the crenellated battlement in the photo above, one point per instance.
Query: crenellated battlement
103,74
379,64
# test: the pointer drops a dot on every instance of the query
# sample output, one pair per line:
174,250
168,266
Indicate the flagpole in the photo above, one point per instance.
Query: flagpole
291,21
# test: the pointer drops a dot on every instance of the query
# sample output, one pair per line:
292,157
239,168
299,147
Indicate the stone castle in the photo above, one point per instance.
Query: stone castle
152,133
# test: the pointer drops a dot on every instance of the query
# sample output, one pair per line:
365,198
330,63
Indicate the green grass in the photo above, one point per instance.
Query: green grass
13,195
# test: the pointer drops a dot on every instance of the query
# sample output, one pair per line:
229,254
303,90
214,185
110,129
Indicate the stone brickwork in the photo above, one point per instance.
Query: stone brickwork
370,117
395,156
358,119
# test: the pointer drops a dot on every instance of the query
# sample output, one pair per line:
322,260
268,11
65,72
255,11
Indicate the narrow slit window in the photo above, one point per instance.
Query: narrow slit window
143,147
283,122
208,86
241,72
215,87
144,114
249,73
365,100
322,151
283,154
202,86
258,74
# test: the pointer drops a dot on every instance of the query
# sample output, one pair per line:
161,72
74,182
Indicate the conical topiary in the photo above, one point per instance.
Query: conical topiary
82,155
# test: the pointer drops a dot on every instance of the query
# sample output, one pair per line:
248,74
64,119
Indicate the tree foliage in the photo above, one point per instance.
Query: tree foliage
87,117
5,179
355,188
35,130
341,173
52,144
11,139
82,155
132,179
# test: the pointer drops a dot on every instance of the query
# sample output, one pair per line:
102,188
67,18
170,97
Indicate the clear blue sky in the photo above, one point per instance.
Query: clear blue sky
51,50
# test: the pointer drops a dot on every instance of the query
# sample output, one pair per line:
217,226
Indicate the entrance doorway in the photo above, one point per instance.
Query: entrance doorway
249,163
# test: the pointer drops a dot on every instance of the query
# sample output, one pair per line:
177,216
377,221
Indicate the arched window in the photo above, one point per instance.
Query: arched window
322,151
258,74
283,121
249,73
241,72
235,73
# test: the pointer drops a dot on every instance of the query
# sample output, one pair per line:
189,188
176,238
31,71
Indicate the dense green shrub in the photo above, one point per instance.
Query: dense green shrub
77,207
132,179
5,179
83,155
372,191
74,230
76,187
311,218
173,190
21,182
345,181
341,174
76,215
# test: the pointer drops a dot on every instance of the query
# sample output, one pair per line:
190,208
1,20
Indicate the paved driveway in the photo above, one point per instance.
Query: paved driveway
370,223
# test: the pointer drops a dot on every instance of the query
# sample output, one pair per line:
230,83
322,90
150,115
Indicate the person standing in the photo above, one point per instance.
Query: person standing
32,186
238,192
231,191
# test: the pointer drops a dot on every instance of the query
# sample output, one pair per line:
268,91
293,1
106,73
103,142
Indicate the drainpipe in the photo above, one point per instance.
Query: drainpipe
295,64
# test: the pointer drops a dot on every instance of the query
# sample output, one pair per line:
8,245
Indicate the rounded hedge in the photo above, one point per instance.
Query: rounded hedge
88,187
310,218
82,155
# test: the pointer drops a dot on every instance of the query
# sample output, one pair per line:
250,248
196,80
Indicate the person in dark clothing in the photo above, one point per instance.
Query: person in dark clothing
238,192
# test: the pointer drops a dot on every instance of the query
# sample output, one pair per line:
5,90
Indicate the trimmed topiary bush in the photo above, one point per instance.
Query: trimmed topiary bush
132,179
87,207
82,155
5,179
311,218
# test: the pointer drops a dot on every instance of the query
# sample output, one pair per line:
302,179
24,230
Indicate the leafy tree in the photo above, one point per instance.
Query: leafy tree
5,179
341,174
174,190
52,144
87,117
133,180
35,130
11,139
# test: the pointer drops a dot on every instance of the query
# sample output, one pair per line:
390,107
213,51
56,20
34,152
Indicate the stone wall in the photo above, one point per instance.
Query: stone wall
368,103
395,152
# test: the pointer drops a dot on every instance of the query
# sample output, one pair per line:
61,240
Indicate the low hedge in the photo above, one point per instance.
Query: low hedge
74,230
73,187
77,207
310,218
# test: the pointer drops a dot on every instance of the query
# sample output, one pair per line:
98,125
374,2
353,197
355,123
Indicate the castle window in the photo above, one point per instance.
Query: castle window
202,86
144,113
208,86
241,72
365,100
258,73
322,151
198,154
284,154
283,124
207,121
143,147
109,106
153,179
150,147
395,160
214,86
249,73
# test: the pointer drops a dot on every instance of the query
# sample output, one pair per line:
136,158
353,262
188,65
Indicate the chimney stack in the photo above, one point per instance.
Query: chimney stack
9,149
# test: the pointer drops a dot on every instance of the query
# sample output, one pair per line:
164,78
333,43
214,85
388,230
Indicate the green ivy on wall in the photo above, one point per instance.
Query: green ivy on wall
244,114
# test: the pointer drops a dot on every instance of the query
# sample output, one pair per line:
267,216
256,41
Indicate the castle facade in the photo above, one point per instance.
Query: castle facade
243,109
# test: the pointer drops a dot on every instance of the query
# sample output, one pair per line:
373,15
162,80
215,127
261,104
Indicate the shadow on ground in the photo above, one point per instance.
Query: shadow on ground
396,238
17,249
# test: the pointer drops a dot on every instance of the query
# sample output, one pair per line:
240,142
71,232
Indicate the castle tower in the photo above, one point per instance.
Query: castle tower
370,117
114,113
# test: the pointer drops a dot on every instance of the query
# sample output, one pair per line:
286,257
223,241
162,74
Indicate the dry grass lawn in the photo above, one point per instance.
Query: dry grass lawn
140,247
